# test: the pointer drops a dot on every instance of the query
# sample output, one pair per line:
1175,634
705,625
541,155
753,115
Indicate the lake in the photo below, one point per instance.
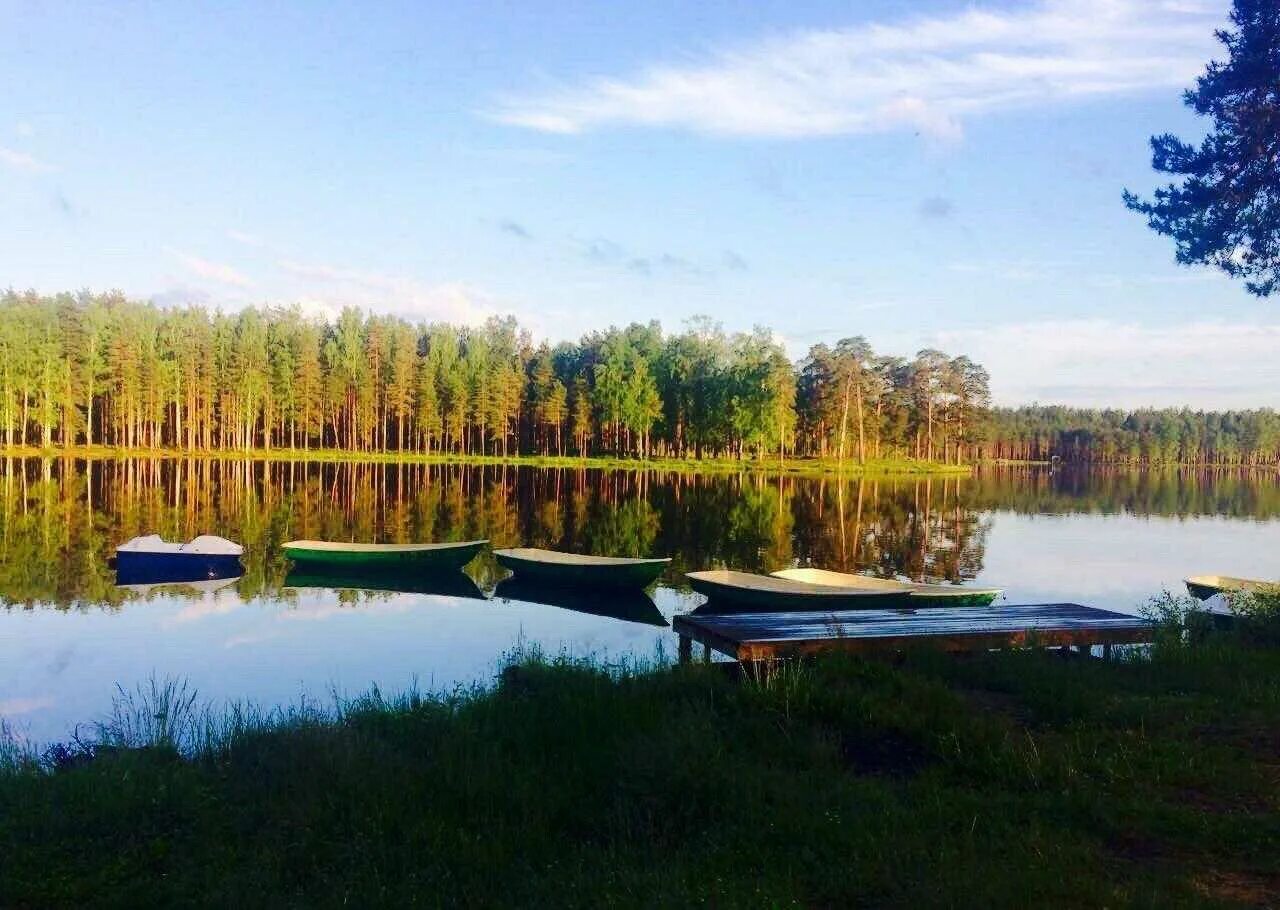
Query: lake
69,634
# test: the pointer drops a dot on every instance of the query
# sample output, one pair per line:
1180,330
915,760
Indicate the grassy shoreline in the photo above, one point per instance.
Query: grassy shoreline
798,466
1008,779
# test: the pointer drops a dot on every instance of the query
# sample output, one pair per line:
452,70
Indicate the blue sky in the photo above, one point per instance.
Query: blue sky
934,173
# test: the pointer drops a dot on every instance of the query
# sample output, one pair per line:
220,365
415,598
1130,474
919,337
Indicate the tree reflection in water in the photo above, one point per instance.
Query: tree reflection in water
60,519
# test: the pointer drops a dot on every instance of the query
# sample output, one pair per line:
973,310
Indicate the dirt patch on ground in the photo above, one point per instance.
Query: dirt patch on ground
1246,887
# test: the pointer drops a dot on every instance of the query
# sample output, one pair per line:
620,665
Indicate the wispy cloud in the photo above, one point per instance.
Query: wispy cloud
1005,270
325,289
11,707
24,129
936,207
605,252
1105,362
64,206
22,161
213,271
243,237
181,295
924,74
1184,275
515,229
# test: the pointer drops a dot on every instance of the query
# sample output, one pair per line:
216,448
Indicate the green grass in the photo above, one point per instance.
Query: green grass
772,465
1016,779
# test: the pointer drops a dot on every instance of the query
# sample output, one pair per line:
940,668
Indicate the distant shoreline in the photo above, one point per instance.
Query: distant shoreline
796,466
1140,465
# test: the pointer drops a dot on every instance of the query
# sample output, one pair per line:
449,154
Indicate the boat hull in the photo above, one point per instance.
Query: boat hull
135,568
1202,587
638,573
922,595
763,592
390,558
1203,591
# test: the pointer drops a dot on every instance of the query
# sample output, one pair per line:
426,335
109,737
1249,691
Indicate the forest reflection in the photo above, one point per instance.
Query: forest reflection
60,519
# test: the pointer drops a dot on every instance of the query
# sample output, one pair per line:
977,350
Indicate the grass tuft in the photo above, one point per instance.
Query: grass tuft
1005,779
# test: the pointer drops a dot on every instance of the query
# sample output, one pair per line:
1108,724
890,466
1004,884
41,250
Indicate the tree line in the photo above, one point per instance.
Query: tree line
100,369
1151,436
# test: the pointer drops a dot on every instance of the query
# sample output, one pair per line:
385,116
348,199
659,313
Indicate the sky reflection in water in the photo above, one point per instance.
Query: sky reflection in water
68,634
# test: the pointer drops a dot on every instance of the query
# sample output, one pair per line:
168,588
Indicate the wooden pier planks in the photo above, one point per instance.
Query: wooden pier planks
763,636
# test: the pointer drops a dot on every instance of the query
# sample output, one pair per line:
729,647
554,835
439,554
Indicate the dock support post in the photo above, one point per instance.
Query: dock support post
686,649
706,653
1106,651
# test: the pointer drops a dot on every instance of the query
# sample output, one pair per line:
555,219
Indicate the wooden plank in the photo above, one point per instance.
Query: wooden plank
758,636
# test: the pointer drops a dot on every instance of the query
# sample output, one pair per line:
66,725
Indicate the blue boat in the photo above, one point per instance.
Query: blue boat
150,560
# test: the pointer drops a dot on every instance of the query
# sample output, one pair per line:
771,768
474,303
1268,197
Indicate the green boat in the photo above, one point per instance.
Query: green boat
921,594
420,557
1205,586
554,567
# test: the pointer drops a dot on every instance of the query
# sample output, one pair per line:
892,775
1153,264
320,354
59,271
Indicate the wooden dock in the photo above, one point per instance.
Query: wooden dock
765,636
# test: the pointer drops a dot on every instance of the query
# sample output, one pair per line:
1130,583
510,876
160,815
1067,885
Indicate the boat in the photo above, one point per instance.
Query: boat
1205,586
627,604
921,594
421,557
392,580
153,560
579,570
746,589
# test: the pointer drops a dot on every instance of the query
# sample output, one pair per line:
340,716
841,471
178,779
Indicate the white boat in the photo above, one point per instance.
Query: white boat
1205,586
151,559
750,590
939,595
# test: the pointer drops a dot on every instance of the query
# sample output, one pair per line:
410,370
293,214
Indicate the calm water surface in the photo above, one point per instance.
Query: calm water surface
69,634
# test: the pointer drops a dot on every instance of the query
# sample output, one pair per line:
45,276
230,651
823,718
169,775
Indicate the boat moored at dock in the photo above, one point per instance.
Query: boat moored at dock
1205,586
746,589
921,594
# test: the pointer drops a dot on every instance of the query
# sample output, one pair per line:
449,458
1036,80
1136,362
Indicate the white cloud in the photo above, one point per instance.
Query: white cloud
24,129
326,289
213,271
923,74
21,161
1101,362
